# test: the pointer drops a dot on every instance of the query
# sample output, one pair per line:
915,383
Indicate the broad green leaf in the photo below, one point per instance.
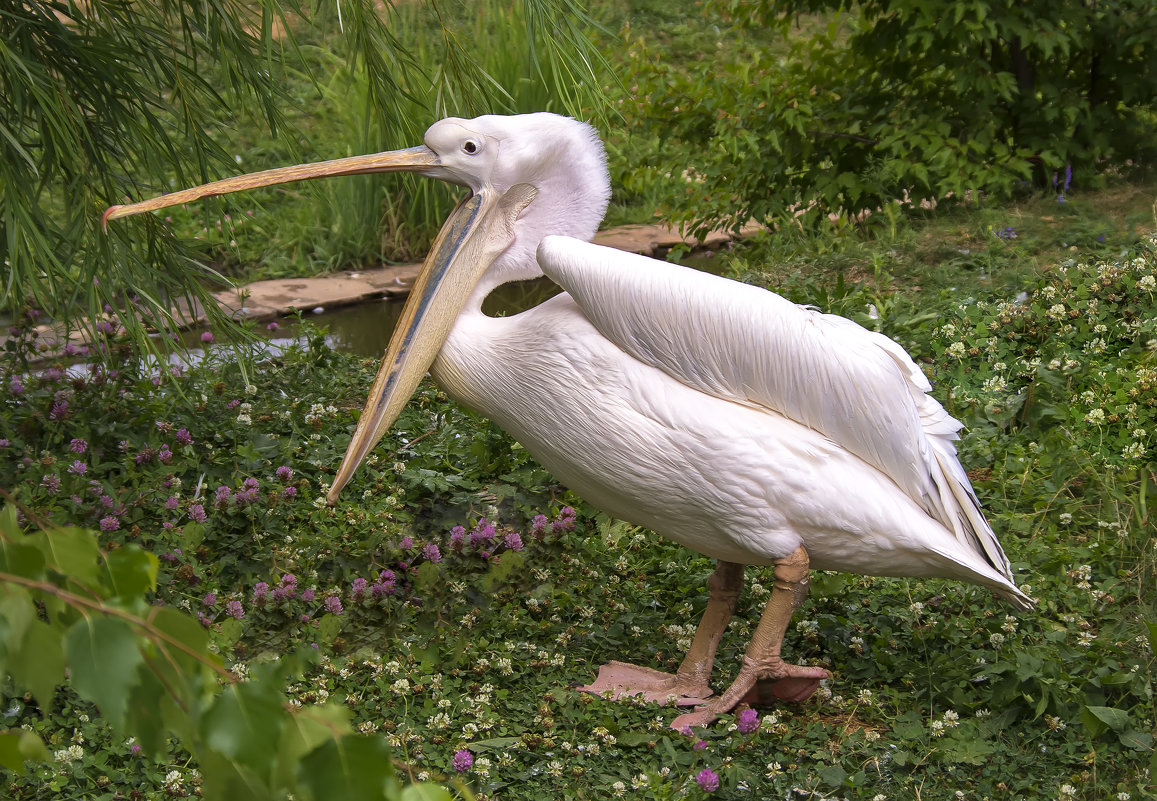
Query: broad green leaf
329,627
189,641
352,768
39,662
1137,740
145,717
1115,719
16,612
21,559
71,551
426,792
103,658
18,746
308,728
244,725
131,571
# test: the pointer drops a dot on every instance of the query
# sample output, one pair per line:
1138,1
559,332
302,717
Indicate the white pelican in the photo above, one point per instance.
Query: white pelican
717,414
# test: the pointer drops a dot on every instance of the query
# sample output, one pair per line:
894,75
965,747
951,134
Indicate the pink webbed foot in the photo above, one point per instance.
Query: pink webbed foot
620,679
796,683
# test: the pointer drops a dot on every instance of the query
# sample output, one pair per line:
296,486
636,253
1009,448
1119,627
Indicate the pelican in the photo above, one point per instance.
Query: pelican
717,414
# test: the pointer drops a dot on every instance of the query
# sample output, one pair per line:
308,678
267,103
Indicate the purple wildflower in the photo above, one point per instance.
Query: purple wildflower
109,523
59,410
748,721
463,760
184,437
539,526
482,533
333,605
172,503
210,599
308,596
197,513
78,468
135,748
260,594
407,543
234,610
289,493
284,473
289,581
78,445
146,455
106,501
207,337
51,483
457,538
431,552
700,745
4,443
204,619
233,404
514,541
358,589
272,326
565,519
164,455
708,780
16,386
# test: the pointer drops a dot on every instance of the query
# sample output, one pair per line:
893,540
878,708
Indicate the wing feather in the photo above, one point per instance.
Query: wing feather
743,343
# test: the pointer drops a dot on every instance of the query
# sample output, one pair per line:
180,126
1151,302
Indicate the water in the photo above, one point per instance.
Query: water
365,329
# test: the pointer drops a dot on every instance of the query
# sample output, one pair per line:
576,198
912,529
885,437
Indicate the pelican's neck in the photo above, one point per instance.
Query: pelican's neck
573,189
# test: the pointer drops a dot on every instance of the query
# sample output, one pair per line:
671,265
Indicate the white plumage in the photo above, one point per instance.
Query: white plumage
718,414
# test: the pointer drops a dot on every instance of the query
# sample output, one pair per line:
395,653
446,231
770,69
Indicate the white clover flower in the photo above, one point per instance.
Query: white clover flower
1148,283
1095,416
619,789
1085,639
70,754
1066,518
1066,791
956,349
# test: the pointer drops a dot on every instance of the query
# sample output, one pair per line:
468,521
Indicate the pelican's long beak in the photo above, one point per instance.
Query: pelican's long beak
473,237
478,230
420,159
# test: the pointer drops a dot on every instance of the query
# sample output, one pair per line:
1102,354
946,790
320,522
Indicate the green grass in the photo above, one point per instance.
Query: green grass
937,687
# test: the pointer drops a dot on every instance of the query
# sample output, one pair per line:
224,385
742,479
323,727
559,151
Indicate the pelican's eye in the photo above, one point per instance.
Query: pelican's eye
470,147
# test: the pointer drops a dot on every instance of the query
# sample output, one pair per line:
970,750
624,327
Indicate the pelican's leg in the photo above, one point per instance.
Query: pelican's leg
763,670
691,683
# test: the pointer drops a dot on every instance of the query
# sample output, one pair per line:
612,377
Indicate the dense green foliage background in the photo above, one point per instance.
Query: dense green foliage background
180,613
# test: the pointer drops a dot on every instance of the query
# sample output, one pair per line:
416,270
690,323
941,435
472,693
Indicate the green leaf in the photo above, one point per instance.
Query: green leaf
20,559
1137,740
307,729
71,551
352,768
833,775
425,792
1115,719
131,571
39,662
103,657
18,746
329,627
244,725
146,715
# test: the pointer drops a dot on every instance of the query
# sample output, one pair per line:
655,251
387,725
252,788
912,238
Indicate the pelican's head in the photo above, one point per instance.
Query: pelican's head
529,175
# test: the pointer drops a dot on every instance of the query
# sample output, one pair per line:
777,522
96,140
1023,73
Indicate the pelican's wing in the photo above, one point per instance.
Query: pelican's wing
743,343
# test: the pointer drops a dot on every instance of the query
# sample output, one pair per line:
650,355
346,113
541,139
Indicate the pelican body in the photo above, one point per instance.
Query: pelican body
717,414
